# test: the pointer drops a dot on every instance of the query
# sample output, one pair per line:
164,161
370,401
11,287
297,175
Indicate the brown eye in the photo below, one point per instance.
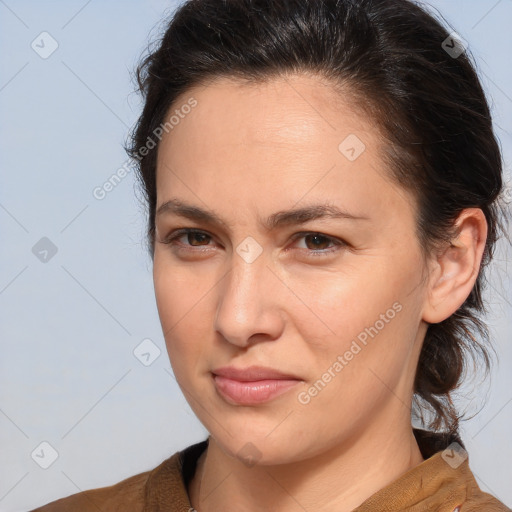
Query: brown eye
194,238
317,241
318,244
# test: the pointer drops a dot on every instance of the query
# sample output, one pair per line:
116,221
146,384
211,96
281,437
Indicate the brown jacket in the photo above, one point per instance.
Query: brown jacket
442,483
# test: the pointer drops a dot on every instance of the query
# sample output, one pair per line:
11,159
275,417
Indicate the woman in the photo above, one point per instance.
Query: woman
323,199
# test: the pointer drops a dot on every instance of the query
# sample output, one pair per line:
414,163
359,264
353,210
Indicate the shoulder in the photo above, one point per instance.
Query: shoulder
127,495
458,481
161,488
479,501
489,504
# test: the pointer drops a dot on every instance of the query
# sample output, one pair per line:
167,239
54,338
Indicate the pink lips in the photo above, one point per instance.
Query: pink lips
252,385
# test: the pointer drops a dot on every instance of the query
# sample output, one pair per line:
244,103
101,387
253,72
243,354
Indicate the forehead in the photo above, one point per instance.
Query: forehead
268,143
293,119
282,110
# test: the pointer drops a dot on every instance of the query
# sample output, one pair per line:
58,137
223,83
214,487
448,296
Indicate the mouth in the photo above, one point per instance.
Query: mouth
253,385
255,392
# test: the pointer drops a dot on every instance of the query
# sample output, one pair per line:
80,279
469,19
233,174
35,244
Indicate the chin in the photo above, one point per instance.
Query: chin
259,448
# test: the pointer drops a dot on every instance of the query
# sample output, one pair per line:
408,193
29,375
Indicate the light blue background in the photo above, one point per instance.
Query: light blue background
68,375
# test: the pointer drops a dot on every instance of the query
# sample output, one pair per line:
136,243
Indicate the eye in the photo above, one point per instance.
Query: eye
193,237
316,244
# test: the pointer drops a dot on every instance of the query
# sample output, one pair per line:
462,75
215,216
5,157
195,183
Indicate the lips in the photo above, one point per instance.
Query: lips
252,373
252,385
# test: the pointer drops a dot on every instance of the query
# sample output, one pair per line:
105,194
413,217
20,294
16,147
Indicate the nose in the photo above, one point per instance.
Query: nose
249,303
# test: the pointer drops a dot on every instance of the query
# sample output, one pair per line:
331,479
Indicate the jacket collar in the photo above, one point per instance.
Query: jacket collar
433,482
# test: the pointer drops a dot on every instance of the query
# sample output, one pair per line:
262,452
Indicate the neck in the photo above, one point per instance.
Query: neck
340,479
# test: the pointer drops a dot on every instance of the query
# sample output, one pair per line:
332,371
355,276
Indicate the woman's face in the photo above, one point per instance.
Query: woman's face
334,301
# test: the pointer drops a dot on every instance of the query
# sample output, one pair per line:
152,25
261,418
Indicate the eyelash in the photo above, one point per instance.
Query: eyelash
170,240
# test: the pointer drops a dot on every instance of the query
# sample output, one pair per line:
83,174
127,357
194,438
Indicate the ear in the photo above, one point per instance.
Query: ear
455,270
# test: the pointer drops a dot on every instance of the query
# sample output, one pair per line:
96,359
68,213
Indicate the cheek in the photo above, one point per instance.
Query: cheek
179,290
365,314
181,305
342,302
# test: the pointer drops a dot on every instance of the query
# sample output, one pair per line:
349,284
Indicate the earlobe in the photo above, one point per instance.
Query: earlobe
457,267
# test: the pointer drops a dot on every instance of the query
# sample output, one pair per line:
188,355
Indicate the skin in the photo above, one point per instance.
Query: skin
246,152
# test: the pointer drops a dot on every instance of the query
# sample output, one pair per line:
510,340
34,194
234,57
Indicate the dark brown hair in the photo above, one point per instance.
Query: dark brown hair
394,57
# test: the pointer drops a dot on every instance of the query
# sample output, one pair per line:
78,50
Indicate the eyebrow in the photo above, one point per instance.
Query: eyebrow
281,218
